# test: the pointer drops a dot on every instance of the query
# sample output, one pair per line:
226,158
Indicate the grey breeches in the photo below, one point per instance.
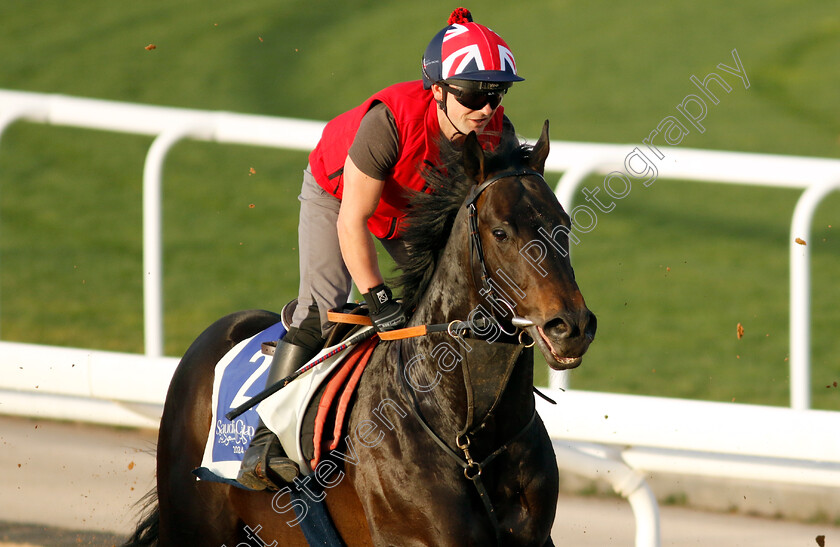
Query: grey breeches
324,279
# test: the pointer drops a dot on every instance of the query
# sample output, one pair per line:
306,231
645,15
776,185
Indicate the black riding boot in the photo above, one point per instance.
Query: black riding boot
265,463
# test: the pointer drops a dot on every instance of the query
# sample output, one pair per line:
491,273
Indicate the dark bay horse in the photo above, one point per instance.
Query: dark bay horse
443,444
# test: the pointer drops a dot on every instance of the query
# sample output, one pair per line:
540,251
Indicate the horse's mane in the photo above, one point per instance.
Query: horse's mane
431,215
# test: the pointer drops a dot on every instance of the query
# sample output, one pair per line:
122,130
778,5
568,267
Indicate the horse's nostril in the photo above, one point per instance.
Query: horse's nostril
557,328
591,326
572,326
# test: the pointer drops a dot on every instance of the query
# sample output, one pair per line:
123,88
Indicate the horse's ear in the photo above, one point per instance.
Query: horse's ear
540,152
473,158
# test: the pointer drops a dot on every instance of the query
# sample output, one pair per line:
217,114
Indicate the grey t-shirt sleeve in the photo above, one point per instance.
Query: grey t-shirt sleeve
376,146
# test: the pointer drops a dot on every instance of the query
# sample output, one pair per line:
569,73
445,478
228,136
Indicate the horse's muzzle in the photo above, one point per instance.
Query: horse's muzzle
565,338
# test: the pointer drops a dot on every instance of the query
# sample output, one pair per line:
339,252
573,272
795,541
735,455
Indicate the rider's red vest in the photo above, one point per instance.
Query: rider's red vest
415,113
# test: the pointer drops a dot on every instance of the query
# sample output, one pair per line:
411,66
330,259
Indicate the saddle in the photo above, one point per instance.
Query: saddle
307,414
324,418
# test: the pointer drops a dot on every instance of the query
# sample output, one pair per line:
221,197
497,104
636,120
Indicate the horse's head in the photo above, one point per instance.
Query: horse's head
520,252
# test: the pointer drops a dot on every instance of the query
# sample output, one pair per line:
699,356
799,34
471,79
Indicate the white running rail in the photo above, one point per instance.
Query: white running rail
598,435
818,177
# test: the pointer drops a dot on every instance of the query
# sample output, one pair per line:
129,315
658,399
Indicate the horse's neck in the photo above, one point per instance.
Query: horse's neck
451,296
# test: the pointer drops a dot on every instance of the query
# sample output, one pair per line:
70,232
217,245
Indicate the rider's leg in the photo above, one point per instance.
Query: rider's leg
324,279
324,284
265,464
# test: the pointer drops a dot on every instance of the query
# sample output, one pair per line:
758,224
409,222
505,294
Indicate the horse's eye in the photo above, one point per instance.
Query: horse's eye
500,234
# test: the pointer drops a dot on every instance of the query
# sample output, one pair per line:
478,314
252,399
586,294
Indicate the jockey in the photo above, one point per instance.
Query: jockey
354,189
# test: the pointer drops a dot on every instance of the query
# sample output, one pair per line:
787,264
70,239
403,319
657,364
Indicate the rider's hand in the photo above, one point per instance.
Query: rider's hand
385,312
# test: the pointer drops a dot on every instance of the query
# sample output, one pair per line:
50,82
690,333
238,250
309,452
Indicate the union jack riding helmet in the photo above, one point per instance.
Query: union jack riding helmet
467,51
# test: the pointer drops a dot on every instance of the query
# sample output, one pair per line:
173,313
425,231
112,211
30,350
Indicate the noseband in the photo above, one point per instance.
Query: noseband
477,251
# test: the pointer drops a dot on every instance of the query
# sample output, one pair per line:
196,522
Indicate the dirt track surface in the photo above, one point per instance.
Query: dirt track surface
57,479
72,477
32,535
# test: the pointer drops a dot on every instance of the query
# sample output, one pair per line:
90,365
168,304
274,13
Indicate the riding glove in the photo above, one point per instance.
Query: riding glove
385,312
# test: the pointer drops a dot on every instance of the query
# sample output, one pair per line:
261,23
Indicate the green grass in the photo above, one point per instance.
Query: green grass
670,272
673,284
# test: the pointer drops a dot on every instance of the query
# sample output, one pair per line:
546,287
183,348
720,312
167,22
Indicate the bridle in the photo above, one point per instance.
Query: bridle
471,468
477,250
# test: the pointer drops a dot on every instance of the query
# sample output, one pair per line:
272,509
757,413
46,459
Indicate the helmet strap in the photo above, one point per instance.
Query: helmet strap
442,105
442,102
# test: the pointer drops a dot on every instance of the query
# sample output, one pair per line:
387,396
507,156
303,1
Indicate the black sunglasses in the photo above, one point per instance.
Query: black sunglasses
475,100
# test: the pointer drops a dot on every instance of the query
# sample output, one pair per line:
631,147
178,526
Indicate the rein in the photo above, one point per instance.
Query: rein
454,328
